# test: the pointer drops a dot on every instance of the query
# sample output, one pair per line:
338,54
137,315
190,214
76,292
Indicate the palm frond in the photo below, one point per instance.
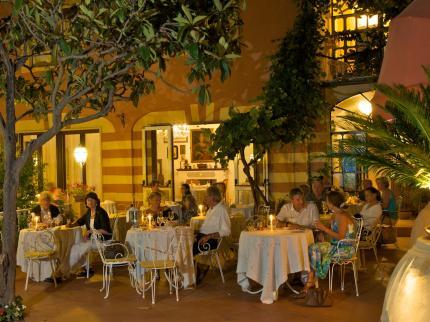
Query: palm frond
398,148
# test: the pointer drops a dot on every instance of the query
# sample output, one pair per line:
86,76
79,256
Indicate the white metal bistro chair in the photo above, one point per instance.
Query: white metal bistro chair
342,261
213,254
370,241
92,251
113,254
42,248
115,228
156,260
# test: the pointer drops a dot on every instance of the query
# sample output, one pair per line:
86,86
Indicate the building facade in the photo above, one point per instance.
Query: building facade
162,138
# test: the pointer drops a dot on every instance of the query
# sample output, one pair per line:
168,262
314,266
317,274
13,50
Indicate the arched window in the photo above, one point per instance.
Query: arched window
346,173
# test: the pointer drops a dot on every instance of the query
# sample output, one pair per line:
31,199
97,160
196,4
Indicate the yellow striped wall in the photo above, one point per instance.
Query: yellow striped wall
121,152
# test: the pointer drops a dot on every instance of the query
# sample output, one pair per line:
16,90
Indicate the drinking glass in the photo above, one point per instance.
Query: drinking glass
325,208
171,215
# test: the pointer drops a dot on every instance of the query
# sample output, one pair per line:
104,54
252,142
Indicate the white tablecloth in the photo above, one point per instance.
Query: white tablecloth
159,238
67,237
267,257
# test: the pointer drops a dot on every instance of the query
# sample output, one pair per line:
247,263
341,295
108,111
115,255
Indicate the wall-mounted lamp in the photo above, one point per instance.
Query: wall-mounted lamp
365,107
81,154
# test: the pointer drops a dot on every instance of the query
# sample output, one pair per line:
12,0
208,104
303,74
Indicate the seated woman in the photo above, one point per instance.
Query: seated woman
155,209
46,210
372,210
96,218
185,191
189,208
342,227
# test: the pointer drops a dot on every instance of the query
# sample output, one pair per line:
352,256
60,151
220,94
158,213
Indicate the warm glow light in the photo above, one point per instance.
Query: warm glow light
149,221
362,22
372,21
365,107
271,217
201,210
80,153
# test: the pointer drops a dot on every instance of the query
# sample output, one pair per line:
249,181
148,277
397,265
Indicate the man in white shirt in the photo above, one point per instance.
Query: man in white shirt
298,213
216,225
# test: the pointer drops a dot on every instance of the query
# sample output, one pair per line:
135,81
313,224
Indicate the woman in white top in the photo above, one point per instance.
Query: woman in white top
372,209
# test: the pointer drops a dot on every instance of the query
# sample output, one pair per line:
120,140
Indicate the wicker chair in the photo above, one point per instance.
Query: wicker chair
342,261
42,248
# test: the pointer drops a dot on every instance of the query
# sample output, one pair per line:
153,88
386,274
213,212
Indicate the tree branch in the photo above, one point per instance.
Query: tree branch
67,100
5,58
24,19
184,91
103,112
57,84
26,113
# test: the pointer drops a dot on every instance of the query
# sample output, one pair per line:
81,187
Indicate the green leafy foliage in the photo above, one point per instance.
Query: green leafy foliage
292,100
27,189
398,148
110,50
13,311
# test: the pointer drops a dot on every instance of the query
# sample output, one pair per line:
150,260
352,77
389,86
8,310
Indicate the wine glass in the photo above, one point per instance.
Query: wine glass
324,207
171,215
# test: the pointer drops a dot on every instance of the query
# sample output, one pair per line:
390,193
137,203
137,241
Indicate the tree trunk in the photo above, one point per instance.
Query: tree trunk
8,257
10,188
257,194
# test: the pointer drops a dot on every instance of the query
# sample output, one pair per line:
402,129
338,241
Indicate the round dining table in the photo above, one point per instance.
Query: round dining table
66,238
160,238
268,256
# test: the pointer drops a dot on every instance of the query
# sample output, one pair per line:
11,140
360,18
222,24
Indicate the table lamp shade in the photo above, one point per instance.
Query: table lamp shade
408,293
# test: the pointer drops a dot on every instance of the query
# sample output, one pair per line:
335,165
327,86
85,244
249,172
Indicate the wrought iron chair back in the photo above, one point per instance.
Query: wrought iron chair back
206,249
42,247
167,257
342,260
43,242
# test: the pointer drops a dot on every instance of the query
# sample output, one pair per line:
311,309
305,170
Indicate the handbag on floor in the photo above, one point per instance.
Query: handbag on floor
318,297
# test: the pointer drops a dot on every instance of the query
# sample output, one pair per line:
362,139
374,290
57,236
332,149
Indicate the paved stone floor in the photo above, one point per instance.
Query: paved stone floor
80,300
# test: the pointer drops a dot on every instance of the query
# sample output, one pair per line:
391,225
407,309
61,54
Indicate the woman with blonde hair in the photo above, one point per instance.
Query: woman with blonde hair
388,199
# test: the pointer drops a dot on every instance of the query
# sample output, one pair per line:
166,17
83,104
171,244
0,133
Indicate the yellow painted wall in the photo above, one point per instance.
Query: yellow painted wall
121,145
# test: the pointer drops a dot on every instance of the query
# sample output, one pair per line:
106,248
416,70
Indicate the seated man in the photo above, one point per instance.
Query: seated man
216,225
45,209
318,193
298,213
